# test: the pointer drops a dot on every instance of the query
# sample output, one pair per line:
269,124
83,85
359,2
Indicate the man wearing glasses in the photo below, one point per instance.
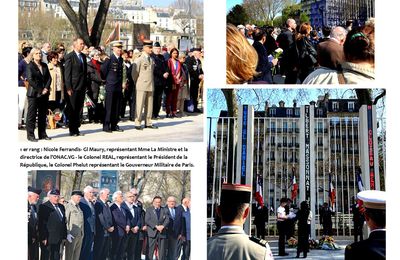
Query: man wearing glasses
134,218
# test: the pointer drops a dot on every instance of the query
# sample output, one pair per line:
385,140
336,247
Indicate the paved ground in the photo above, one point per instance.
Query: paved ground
184,129
314,253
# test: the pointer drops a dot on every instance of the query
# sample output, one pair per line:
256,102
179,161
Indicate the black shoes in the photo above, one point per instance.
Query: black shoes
284,254
45,137
151,126
138,128
107,130
117,129
76,134
32,139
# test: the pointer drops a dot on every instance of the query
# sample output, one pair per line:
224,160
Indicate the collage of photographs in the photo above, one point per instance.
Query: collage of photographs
283,158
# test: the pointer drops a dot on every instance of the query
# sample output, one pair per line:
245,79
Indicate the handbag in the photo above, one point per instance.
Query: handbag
51,122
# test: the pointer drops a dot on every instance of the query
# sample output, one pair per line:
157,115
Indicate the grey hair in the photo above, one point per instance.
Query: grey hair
182,55
93,52
339,33
34,49
87,189
103,190
115,194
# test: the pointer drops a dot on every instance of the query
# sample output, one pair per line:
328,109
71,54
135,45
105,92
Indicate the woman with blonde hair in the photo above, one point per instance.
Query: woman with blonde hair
307,53
241,58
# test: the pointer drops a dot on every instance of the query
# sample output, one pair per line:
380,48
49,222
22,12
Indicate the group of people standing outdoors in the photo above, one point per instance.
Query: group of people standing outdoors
106,84
89,227
301,54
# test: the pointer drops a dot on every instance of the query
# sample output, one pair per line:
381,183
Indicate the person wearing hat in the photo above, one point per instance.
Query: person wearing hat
52,227
374,247
161,74
74,218
75,82
112,70
196,76
33,241
143,75
231,242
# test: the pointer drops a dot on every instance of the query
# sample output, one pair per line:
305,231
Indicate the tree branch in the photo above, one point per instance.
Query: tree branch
99,22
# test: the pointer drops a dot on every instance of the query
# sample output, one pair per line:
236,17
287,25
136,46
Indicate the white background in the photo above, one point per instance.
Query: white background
13,216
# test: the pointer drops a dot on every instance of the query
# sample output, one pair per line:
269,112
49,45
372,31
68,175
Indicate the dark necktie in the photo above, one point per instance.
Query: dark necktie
33,213
80,58
158,213
58,212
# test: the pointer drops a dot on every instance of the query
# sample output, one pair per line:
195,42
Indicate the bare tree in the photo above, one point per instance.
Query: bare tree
195,7
79,20
264,10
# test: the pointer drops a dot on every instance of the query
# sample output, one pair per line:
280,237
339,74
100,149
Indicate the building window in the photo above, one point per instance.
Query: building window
320,140
284,140
289,112
350,106
273,111
273,125
285,126
335,106
297,111
320,126
319,112
272,139
293,125
272,155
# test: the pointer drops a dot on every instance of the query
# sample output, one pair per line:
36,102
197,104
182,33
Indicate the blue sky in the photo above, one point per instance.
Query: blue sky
232,3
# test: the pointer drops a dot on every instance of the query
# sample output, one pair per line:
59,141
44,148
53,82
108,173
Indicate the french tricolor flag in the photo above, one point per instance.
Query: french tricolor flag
259,193
332,192
295,187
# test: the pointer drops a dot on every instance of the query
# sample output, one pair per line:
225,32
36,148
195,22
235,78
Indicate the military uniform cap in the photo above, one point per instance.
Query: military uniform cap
196,49
235,193
54,192
148,43
116,44
34,190
157,44
77,192
373,199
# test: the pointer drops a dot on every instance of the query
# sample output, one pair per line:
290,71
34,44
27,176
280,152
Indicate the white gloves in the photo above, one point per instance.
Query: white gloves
70,237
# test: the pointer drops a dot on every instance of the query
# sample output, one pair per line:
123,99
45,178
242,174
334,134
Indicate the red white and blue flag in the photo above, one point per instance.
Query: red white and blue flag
295,187
259,193
332,193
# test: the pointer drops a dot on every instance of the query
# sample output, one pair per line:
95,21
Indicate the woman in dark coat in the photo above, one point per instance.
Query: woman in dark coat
94,77
307,53
39,80
303,231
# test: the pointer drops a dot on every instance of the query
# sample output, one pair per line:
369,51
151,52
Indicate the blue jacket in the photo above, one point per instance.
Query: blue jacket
120,220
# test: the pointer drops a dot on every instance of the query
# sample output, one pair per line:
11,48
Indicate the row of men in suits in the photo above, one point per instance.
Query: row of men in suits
97,230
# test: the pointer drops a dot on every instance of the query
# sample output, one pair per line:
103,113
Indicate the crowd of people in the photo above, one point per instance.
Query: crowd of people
92,227
231,242
52,81
301,54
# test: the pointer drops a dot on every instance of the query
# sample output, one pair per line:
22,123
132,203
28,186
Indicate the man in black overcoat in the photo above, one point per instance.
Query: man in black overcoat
52,226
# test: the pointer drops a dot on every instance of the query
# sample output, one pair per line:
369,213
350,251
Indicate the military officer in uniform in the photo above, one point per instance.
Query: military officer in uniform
161,73
74,218
374,247
52,228
231,242
142,74
33,241
196,76
112,70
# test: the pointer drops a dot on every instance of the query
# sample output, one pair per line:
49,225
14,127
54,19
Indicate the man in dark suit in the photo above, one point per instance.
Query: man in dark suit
112,70
173,231
196,76
260,218
182,227
33,239
289,58
160,78
374,247
330,52
156,220
135,223
89,219
142,233
75,79
52,227
121,226
104,226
